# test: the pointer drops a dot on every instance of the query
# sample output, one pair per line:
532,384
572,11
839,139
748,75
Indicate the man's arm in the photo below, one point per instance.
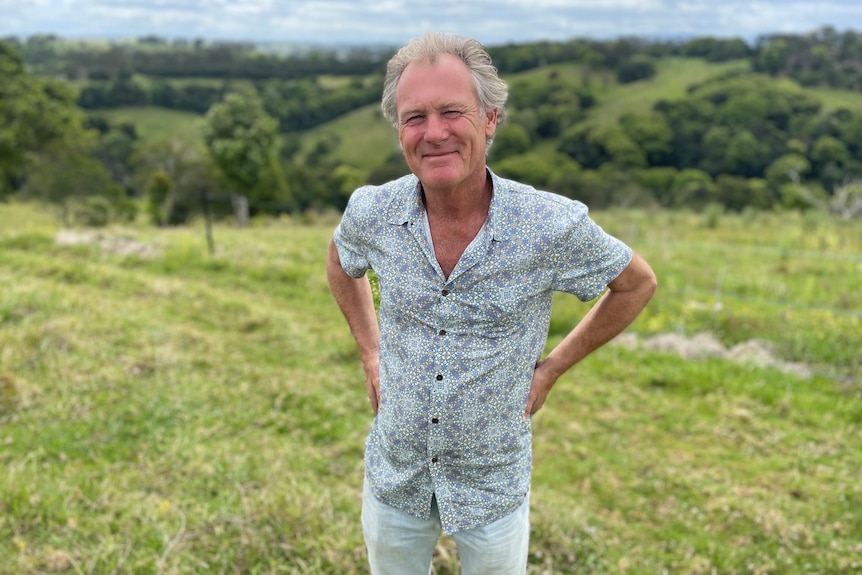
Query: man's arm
357,304
627,295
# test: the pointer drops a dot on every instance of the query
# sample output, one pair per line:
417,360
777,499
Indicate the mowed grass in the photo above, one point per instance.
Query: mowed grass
177,412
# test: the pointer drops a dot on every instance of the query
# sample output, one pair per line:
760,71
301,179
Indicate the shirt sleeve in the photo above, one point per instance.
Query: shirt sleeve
351,236
587,258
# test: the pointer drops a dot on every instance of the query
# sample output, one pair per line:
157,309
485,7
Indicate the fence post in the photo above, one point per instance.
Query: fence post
208,221
240,209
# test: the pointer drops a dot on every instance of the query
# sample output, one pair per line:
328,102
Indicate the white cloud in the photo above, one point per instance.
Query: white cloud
395,21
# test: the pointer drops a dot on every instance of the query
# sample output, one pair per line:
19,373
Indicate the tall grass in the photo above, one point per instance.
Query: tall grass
185,413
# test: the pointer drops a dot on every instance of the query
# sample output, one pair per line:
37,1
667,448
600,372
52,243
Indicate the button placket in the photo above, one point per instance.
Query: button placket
435,437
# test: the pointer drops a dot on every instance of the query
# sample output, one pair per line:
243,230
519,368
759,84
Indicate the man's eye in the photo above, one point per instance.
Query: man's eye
451,114
414,120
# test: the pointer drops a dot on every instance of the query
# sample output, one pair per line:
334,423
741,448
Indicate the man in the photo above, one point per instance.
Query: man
467,264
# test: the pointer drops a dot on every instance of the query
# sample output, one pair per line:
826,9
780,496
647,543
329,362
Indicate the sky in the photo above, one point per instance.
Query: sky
393,22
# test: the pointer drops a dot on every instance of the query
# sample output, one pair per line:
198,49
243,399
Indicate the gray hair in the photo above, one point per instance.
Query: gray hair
491,91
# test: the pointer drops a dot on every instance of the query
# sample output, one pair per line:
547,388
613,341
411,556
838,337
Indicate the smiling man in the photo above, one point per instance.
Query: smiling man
467,264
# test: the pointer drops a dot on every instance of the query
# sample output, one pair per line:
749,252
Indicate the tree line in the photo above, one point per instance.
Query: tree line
297,104
823,57
738,141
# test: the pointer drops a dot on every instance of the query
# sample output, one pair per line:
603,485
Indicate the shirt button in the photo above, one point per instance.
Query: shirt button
435,420
442,332
433,460
439,377
445,292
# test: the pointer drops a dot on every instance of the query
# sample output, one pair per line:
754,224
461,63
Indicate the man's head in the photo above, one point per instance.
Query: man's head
490,90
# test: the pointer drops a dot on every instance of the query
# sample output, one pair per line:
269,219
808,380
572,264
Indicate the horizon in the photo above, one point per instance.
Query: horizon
393,22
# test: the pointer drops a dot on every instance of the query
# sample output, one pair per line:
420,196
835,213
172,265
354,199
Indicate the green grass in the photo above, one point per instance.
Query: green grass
672,79
158,124
188,413
834,99
16,218
365,138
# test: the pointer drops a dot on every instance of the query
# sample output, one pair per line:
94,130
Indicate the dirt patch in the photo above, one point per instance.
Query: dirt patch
109,244
705,345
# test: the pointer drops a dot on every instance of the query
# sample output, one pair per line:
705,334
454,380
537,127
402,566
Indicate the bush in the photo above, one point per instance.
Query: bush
92,212
638,68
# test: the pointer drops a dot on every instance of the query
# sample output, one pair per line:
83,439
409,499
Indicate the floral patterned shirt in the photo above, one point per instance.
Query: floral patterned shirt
457,354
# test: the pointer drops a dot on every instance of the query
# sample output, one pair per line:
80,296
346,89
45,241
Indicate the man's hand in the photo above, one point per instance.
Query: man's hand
544,379
372,380
616,309
355,299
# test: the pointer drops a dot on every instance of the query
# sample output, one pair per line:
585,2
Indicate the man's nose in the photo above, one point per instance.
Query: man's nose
436,128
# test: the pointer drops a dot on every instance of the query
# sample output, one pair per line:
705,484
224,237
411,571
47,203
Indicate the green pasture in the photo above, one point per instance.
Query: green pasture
833,99
158,124
167,411
364,137
673,77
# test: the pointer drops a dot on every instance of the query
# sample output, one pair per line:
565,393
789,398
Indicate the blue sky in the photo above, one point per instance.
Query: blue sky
392,22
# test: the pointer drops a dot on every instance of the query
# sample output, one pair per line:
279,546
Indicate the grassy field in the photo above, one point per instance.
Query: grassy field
165,411
159,124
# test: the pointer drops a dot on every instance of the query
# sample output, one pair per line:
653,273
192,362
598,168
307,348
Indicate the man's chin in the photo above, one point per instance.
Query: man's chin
440,176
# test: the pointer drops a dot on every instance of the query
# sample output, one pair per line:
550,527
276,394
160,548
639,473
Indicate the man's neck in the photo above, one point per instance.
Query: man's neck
463,202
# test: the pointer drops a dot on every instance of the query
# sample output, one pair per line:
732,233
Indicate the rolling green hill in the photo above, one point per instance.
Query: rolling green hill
364,139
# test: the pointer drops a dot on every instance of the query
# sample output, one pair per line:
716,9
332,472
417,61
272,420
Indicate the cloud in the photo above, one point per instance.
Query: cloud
395,21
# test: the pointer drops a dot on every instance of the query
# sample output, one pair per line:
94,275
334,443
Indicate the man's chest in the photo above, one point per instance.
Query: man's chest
491,286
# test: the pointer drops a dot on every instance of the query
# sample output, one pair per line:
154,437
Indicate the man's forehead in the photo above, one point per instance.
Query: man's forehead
417,90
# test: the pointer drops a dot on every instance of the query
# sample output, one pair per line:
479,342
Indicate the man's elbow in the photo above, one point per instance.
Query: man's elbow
334,271
650,283
638,279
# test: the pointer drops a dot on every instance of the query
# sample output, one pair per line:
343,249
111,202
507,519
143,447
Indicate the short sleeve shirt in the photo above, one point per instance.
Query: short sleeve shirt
457,353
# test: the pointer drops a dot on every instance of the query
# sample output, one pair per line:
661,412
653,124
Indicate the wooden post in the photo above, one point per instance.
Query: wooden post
208,221
240,209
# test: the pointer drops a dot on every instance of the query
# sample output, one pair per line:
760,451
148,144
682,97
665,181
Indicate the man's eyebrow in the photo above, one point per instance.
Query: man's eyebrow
423,109
450,105
411,111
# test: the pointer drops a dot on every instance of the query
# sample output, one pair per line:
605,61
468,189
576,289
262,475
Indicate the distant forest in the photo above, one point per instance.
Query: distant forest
752,138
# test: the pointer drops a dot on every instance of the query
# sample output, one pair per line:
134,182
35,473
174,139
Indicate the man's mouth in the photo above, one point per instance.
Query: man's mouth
437,154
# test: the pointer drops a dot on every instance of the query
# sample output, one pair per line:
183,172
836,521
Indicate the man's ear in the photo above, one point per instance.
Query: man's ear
490,123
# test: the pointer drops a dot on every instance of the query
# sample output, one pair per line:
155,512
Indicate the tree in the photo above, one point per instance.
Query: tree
637,68
511,140
787,169
76,184
241,137
652,133
534,168
659,181
37,115
188,169
692,188
159,195
746,155
616,144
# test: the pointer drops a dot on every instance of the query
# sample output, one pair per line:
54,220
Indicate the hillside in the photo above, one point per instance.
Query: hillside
167,411
673,76
367,126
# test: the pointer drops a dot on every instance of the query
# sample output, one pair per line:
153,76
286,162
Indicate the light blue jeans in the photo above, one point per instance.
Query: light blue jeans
400,544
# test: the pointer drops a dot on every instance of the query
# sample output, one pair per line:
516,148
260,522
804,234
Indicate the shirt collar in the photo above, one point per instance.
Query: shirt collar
406,207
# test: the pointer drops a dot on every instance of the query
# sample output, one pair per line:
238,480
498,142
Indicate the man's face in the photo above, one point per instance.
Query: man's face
440,128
